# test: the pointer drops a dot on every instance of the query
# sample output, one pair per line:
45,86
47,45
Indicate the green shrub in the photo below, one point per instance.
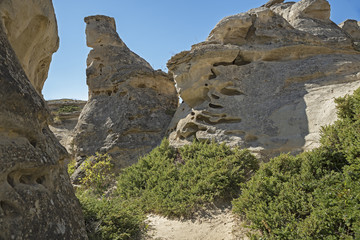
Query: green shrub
166,181
178,182
71,167
106,217
68,109
113,218
315,195
98,172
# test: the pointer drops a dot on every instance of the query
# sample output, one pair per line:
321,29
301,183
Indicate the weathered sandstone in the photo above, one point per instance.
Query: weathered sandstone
130,105
272,2
266,79
352,28
32,31
65,114
37,200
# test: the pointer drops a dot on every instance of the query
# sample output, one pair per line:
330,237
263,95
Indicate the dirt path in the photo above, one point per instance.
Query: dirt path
217,224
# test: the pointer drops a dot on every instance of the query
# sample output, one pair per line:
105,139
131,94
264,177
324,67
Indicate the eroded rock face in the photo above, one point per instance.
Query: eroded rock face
130,105
37,200
352,28
65,114
32,31
265,79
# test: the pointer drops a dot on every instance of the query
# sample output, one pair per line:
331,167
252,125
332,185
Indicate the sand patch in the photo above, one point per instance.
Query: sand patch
215,224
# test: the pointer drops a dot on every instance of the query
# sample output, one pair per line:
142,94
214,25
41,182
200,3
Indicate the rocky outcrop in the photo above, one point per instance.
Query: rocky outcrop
266,79
130,105
65,114
352,28
32,31
37,200
272,2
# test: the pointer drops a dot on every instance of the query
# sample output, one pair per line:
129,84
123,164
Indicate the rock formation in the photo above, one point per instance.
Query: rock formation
352,27
32,31
272,2
37,200
65,114
266,79
130,105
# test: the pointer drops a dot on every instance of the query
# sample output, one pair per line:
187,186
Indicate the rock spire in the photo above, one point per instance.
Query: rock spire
130,105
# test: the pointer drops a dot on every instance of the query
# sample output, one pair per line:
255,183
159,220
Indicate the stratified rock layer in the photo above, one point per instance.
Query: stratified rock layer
37,200
266,79
32,31
130,105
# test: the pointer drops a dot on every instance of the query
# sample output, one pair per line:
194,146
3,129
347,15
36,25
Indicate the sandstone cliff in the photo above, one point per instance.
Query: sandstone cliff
130,105
37,200
32,31
65,114
266,79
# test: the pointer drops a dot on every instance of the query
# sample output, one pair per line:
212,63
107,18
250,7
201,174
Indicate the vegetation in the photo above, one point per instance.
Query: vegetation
71,167
177,183
106,217
166,181
68,109
315,195
98,172
63,109
110,218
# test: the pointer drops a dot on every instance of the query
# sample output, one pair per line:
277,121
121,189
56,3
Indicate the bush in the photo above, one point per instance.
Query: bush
98,172
178,182
110,218
315,195
166,181
71,167
68,109
106,217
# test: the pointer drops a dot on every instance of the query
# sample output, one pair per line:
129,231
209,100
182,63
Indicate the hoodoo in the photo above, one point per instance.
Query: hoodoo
130,105
266,79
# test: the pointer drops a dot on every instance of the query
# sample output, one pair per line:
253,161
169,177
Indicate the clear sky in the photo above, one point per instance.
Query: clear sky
155,30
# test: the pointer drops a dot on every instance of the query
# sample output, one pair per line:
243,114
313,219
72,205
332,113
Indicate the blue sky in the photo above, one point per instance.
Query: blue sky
155,30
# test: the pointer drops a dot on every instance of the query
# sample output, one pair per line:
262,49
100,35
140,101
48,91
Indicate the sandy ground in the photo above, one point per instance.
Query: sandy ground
216,224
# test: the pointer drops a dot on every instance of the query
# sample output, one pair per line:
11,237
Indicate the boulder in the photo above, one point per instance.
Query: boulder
265,79
37,200
32,32
130,105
